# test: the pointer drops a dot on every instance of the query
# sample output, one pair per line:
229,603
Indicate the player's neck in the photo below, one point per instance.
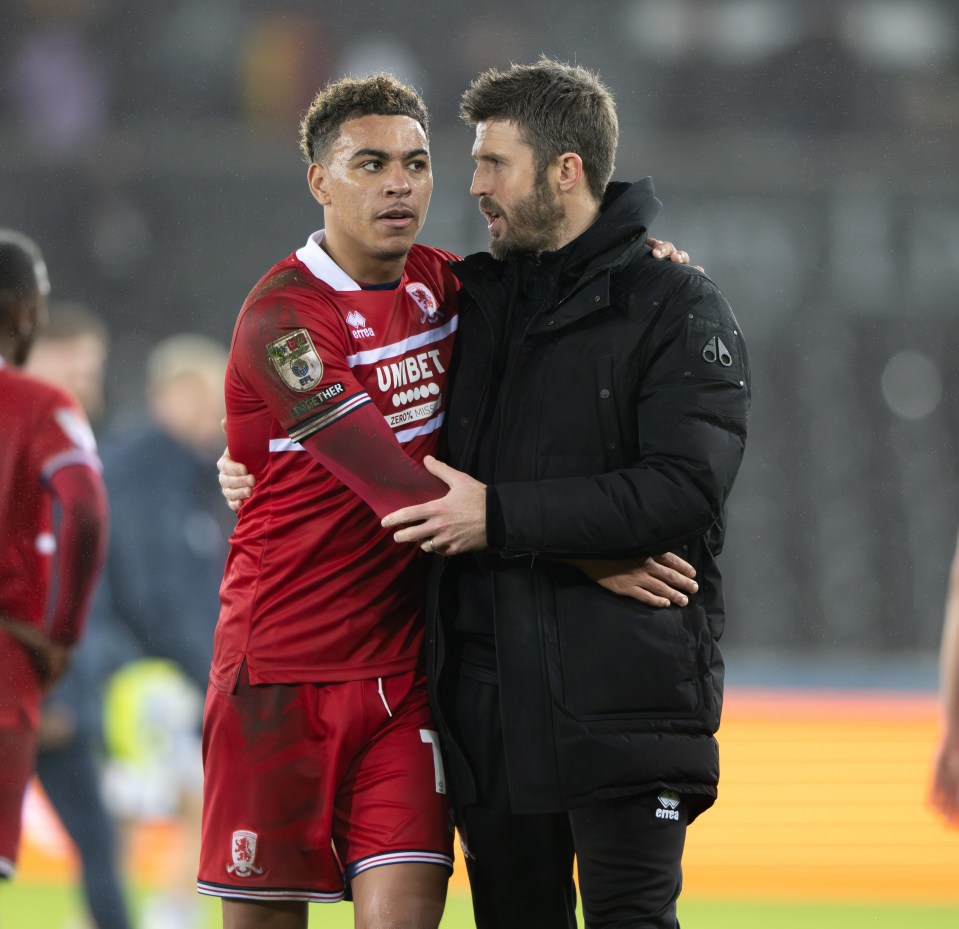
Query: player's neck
360,266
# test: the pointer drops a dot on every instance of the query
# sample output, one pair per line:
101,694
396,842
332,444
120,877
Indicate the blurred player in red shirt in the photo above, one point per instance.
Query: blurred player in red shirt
322,771
47,456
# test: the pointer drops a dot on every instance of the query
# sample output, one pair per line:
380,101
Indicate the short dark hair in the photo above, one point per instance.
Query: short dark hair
557,108
353,97
23,272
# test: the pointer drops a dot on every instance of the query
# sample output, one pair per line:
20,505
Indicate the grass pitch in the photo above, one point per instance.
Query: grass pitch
43,906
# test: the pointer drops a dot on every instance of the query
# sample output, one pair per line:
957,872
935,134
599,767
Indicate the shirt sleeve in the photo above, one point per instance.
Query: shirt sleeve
65,457
300,371
62,437
81,547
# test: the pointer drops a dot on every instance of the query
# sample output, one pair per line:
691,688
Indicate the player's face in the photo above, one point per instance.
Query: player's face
375,187
521,210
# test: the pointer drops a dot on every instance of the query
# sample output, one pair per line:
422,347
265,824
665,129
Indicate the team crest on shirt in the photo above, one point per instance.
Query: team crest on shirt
426,302
244,854
296,360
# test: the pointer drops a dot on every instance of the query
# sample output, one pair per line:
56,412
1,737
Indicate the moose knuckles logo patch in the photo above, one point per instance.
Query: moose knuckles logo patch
244,854
426,302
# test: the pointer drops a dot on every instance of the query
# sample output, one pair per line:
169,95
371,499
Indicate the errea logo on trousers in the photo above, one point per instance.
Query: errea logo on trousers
668,805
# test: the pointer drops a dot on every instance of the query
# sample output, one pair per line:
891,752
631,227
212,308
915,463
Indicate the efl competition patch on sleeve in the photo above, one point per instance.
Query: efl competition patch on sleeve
296,360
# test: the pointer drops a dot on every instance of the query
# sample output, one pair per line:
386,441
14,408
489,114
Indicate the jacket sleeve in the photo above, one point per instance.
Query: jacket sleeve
691,409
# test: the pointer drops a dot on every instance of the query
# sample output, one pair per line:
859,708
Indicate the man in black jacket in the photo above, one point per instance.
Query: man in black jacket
600,405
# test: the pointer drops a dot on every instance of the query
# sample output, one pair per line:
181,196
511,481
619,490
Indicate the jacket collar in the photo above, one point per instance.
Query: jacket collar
626,214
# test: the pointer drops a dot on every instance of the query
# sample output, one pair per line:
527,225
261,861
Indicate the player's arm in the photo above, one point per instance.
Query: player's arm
945,776
81,543
305,380
361,451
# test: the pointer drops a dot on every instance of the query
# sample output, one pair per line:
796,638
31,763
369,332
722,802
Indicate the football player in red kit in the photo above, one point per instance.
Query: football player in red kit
322,773
49,455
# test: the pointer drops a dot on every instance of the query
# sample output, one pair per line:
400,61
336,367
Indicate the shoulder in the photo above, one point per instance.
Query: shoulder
29,394
678,285
287,283
432,266
286,299
428,255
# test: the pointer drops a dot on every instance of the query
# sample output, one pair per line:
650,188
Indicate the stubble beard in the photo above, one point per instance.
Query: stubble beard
535,224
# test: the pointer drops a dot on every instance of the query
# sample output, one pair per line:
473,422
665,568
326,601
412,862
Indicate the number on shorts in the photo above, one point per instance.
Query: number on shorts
428,735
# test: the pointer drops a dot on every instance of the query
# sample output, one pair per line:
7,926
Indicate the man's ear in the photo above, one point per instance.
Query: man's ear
569,173
317,177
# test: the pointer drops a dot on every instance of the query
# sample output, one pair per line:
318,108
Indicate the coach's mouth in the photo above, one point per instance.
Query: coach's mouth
492,214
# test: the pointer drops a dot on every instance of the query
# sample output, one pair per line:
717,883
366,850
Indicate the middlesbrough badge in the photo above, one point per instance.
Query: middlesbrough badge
244,854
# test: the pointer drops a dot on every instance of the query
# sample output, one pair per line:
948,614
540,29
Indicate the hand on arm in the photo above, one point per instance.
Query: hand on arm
236,483
450,525
658,581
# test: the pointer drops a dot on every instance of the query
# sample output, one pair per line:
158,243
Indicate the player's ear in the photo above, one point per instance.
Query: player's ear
316,177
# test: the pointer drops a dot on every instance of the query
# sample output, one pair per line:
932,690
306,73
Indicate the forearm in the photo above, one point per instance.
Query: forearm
362,452
620,514
81,546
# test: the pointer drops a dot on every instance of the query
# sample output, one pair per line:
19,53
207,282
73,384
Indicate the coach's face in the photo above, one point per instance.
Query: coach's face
521,207
375,186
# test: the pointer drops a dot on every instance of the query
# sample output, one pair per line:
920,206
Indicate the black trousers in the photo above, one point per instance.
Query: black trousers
521,865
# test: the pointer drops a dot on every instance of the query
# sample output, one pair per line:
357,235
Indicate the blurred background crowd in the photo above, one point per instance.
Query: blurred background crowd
801,149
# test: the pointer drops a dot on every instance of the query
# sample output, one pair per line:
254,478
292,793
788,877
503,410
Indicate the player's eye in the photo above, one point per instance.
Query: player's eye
419,165
373,164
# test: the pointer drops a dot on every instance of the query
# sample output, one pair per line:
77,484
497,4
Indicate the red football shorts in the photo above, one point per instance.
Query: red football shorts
308,785
19,711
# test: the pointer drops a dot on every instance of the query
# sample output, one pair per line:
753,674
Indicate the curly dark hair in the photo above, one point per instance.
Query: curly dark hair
353,97
557,108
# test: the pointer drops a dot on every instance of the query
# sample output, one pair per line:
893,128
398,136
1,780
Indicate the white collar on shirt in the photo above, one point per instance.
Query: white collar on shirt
322,266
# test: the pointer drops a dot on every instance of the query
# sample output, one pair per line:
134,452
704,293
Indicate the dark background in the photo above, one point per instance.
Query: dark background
805,155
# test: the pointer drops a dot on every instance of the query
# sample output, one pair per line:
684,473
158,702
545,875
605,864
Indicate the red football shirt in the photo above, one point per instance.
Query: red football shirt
42,429
314,588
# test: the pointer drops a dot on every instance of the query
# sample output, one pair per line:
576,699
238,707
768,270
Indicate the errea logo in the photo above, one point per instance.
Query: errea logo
668,805
358,323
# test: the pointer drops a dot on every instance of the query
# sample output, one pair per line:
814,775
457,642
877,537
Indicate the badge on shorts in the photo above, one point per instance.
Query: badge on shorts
244,854
296,360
